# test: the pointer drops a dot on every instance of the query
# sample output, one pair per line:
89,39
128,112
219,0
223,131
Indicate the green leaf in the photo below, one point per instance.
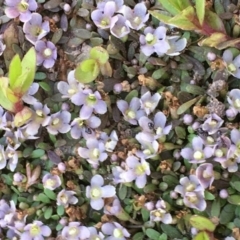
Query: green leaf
161,17
131,95
43,198
185,106
185,19
59,227
40,76
48,213
163,237
25,80
174,6
202,236
122,191
37,153
200,9
236,185
201,223
60,210
100,54
157,74
208,196
152,234
87,71
145,214
171,231
50,194
234,199
212,20
181,132
45,86
15,70
138,236
216,207
213,40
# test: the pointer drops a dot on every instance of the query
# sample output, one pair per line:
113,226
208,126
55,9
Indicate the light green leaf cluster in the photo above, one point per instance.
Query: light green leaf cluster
20,78
89,69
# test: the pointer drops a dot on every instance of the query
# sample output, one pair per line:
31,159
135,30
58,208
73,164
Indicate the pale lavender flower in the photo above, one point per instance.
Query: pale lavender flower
2,47
221,149
21,8
35,230
230,162
235,137
101,4
148,149
177,44
117,175
94,152
51,181
94,234
58,122
83,127
114,209
212,124
7,213
137,170
46,53
92,102
205,174
12,157
154,129
195,200
115,231
65,197
16,229
39,117
231,113
102,18
234,99
154,41
160,215
233,65
27,97
198,153
109,141
71,89
189,184
4,118
148,102
35,29
3,161
119,27
135,18
74,231
132,111
96,192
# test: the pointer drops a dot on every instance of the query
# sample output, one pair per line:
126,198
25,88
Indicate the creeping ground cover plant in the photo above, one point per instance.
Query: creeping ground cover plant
119,120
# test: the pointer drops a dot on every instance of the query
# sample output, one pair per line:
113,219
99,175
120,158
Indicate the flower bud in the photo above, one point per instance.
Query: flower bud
117,88
211,56
163,186
63,221
231,113
195,126
23,205
62,167
173,195
149,206
223,193
66,7
187,119
65,107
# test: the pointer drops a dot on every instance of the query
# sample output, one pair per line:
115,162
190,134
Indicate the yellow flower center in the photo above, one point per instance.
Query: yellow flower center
198,155
71,91
104,22
191,187
131,114
95,193
23,6
219,153
64,198
157,213
148,104
117,233
147,152
213,123
237,103
39,113
47,52
35,230
206,174
192,199
150,39
73,231
159,131
50,182
96,153
56,121
137,20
